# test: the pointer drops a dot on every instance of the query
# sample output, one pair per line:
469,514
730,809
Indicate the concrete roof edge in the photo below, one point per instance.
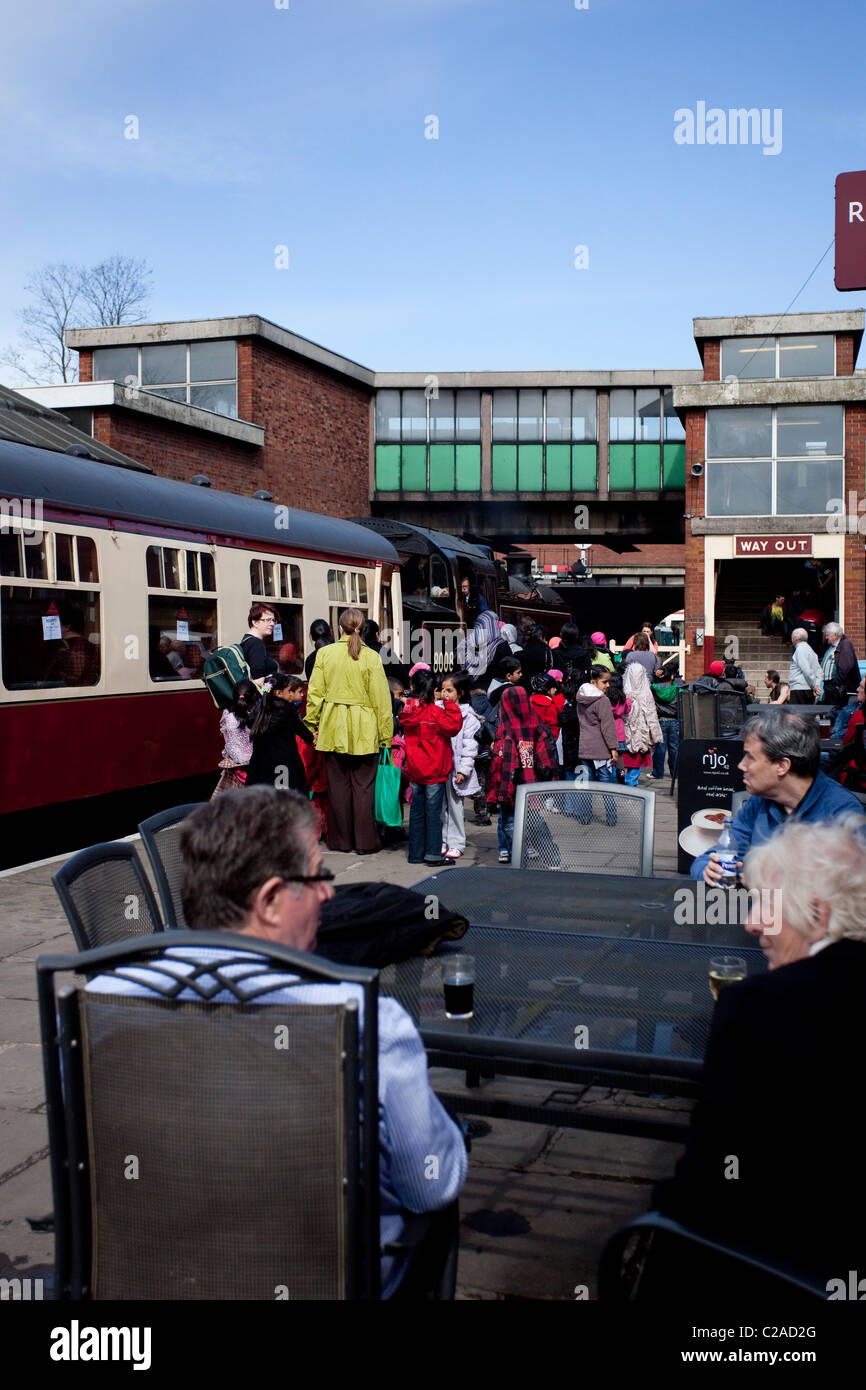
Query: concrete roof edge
195,330
192,416
754,325
492,380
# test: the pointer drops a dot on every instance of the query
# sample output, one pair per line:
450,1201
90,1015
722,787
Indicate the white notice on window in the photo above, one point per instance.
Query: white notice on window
278,632
182,631
51,628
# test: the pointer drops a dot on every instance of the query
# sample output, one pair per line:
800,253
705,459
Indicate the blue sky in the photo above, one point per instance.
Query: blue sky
305,127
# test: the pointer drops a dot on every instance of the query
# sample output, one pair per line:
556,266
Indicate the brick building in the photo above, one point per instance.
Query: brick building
775,450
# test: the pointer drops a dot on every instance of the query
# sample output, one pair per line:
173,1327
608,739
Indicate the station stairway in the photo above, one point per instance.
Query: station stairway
738,615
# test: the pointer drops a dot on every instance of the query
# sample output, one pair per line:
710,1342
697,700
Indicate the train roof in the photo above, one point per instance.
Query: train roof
420,540
84,485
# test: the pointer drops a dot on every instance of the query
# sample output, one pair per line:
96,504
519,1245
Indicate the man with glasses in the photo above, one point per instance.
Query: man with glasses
252,865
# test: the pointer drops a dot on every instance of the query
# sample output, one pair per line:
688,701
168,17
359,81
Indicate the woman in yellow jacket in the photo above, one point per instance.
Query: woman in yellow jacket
349,708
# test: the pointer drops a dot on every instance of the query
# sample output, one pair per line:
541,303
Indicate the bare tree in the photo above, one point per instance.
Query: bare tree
116,290
55,290
72,296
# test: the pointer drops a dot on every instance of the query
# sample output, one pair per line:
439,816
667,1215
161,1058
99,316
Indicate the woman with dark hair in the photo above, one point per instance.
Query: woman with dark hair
276,728
523,751
235,727
349,706
428,729
536,658
370,635
321,635
572,655
261,620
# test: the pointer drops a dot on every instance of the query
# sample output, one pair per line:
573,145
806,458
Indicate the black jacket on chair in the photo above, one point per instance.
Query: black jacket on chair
780,1108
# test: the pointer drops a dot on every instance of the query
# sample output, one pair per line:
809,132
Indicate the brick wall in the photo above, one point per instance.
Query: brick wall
711,356
317,432
844,354
175,451
85,364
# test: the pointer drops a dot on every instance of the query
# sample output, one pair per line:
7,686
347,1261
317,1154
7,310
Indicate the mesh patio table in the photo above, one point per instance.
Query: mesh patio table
587,979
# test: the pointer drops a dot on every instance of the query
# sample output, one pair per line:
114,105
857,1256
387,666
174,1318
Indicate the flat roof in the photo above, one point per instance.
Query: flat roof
246,326
91,394
764,325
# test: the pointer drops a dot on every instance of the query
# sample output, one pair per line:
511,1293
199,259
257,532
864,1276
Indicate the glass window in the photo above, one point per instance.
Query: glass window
35,557
360,590
807,431
442,417
673,426
191,570
290,581
648,409
269,574
213,361
388,415
169,393
805,486
504,415
115,364
171,568
337,586
88,569
530,414
65,567
256,580
415,416
222,400
288,649
739,489
174,656
414,577
29,661
813,355
749,358
10,554
154,567
740,432
439,578
163,363
208,571
558,416
583,415
468,416
622,416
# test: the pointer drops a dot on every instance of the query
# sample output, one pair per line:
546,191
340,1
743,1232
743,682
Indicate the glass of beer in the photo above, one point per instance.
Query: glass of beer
724,971
458,983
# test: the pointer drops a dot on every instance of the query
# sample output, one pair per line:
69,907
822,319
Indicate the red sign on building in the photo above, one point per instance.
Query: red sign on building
772,545
851,231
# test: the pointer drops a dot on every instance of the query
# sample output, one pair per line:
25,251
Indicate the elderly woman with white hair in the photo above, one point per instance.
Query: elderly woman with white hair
774,1155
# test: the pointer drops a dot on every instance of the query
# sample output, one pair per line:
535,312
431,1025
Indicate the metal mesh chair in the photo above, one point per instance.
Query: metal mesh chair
205,1150
106,896
160,835
584,827
653,1258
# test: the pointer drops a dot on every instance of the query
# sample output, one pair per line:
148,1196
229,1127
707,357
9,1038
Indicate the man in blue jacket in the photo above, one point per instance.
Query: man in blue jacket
780,768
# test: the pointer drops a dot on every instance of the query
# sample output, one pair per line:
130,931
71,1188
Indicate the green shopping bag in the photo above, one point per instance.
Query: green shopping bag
387,802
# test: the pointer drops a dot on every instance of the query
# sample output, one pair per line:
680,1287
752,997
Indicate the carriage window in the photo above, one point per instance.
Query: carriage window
337,586
65,570
35,558
50,637
438,578
290,581
182,627
346,589
10,554
88,569
182,632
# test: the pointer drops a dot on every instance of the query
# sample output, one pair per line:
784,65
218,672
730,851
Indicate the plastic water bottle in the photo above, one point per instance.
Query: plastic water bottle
726,849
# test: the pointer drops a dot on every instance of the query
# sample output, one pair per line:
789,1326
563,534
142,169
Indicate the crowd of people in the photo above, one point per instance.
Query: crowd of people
524,708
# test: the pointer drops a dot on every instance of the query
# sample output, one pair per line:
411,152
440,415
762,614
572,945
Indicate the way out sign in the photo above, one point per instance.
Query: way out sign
851,231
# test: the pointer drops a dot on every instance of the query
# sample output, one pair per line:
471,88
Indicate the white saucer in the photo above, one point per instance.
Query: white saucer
695,841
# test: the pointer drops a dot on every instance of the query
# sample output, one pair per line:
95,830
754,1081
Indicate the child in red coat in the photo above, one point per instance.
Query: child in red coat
428,729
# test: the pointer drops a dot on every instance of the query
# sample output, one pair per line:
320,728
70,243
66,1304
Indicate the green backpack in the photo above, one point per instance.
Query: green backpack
222,671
